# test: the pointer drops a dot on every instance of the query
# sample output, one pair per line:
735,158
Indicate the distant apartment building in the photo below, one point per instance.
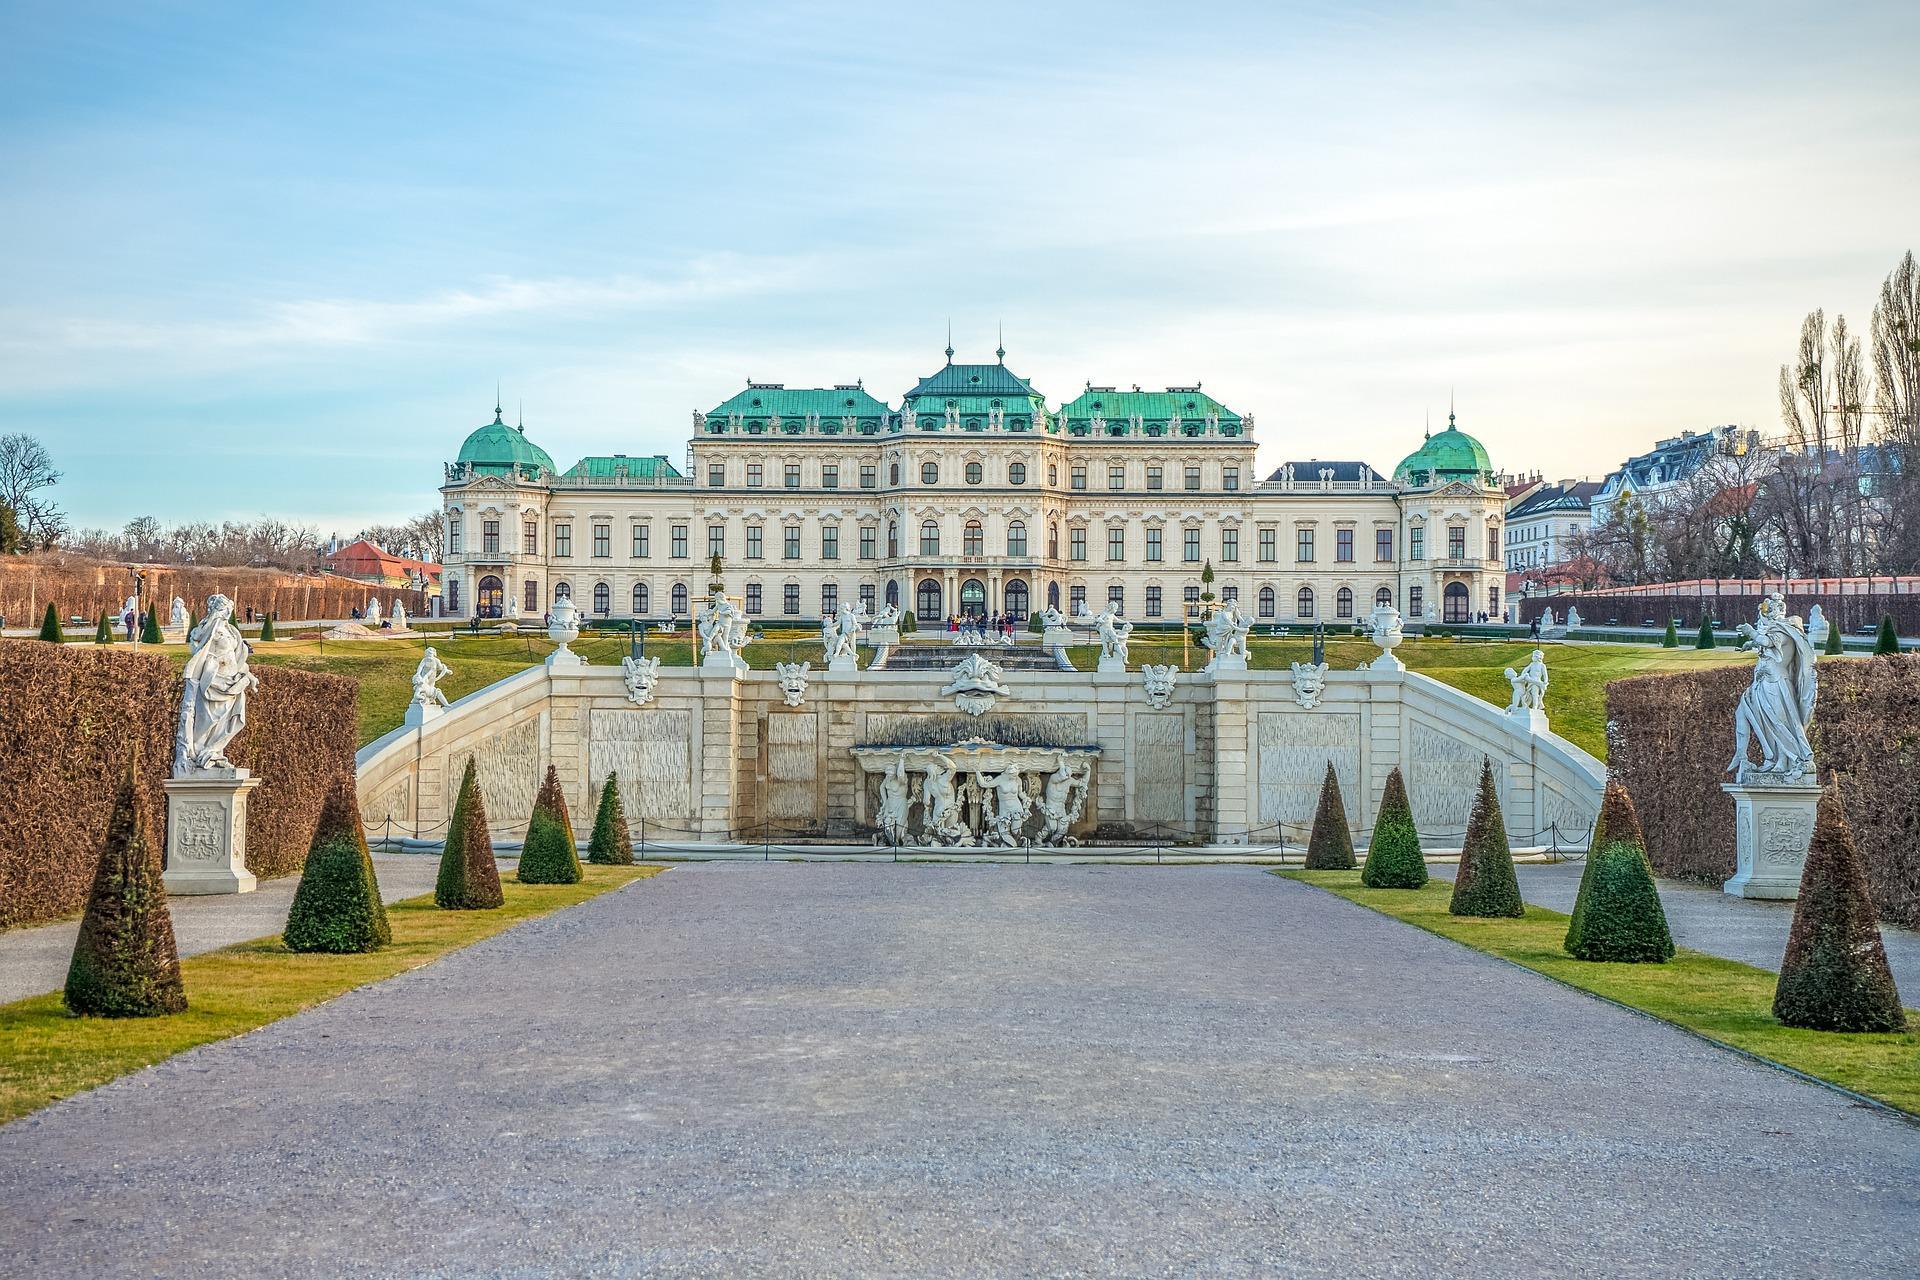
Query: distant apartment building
1668,465
1544,522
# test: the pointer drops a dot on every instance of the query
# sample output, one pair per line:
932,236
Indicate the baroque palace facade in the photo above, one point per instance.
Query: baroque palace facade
973,496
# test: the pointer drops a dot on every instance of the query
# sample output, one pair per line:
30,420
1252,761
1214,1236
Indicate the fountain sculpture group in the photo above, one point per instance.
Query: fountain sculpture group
976,792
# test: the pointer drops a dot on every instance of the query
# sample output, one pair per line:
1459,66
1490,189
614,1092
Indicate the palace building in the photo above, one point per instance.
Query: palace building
972,496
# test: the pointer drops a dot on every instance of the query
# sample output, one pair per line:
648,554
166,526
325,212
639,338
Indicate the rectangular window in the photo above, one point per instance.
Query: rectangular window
753,475
1190,546
1457,542
1153,546
754,548
868,537
1493,544
1153,602
490,537
530,538
563,540
1493,603
642,541
679,534
869,475
1303,546
1230,478
453,543
1153,477
829,599
866,596
1117,543
1077,544
753,597
1193,477
830,475
1230,594
716,540
1116,477
1266,602
1343,546
716,475
793,475
790,600
1076,601
1383,544
1190,596
1229,546
602,541
1269,545
1079,477
530,595
1415,596
1416,544
1117,599
829,542
791,547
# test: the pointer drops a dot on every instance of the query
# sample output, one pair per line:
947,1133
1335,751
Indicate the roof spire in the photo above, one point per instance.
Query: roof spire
1001,350
949,339
522,415
1449,408
1426,432
496,403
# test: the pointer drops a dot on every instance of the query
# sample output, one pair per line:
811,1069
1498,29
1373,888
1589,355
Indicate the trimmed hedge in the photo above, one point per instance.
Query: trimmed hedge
1330,847
468,879
611,844
150,627
1671,640
125,963
1836,643
1394,860
1622,920
1886,640
1485,883
1835,975
1617,823
549,854
103,632
1705,639
337,907
50,627
1668,738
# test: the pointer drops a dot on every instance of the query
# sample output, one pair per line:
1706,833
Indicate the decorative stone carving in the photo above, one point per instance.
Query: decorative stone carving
563,627
508,767
976,682
1776,711
1062,799
1008,806
1226,638
650,751
722,627
793,681
371,614
1309,683
213,700
889,616
1113,635
839,636
1773,827
939,803
399,614
1294,751
1573,617
896,801
178,619
427,702
974,791
1817,627
1383,625
1158,679
1529,688
207,833
641,676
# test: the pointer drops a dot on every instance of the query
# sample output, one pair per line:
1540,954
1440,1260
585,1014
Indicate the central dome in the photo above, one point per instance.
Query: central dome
497,449
1451,455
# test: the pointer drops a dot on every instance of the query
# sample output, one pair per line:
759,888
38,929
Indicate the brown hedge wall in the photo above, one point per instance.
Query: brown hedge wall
79,587
71,714
1669,737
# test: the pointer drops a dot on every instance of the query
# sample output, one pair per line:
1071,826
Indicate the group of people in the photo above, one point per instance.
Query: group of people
978,627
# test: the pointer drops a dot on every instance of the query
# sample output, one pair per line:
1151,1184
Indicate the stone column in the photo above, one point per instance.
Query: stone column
207,832
1773,826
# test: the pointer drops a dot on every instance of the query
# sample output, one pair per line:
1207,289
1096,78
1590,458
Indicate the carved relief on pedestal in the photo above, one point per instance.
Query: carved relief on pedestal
202,836
395,802
651,751
507,767
1294,751
1444,779
1784,837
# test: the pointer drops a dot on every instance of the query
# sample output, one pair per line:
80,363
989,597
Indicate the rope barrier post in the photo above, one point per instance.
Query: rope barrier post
766,842
643,833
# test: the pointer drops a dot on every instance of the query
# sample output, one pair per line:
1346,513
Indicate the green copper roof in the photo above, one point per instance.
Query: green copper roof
605,468
972,380
497,448
1451,455
765,400
1155,409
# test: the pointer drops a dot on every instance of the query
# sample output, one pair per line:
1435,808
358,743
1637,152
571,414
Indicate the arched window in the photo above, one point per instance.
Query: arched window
1303,605
1016,538
974,473
1053,473
1384,596
893,474
929,473
1343,603
679,598
893,593
1016,473
489,599
971,539
928,603
639,599
602,599
1053,548
453,595
929,539
1053,595
973,597
1016,600
563,591
1266,602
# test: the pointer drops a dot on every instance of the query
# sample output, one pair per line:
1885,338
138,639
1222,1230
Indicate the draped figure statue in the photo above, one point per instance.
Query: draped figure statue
213,700
1776,710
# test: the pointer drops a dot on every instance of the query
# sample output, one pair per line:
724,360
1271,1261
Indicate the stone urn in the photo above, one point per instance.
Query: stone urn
563,627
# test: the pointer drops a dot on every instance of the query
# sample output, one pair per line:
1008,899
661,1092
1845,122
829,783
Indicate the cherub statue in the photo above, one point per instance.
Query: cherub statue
427,677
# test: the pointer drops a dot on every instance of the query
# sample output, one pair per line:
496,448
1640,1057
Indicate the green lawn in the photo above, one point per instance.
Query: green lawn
46,1055
1722,1000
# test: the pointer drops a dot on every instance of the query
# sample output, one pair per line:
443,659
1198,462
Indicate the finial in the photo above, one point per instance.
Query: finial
496,403
1001,350
522,415
949,340
1426,432
1449,408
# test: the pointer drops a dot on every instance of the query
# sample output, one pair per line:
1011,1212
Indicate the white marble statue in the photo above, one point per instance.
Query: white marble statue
895,800
178,621
213,701
1226,638
1776,711
399,615
1158,679
940,805
793,681
1817,626
1052,619
889,616
1573,617
427,677
1113,635
1062,799
1529,685
371,615
977,681
1010,807
1309,683
1546,618
132,606
641,676
723,633
840,634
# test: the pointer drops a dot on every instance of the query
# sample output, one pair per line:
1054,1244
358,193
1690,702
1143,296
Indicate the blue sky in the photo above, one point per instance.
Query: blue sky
274,258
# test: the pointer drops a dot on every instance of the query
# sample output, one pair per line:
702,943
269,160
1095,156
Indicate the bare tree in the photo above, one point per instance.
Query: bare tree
420,538
1804,389
1896,383
26,473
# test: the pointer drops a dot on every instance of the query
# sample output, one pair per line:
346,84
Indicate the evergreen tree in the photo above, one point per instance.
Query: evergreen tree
1394,860
1835,976
549,855
1618,821
103,634
468,879
1705,639
266,629
1623,919
337,907
908,623
1835,646
612,843
125,963
1888,639
1671,640
150,627
1485,884
1330,848
50,626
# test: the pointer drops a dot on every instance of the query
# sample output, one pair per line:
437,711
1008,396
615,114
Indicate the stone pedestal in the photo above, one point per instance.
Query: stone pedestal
420,713
1109,663
880,637
1057,637
1519,718
207,832
173,635
1773,825
1386,662
845,662
1227,664
722,664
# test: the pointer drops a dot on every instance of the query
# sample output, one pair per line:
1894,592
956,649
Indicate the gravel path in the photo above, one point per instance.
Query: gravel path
980,1070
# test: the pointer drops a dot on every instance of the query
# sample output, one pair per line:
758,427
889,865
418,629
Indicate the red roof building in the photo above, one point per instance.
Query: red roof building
364,562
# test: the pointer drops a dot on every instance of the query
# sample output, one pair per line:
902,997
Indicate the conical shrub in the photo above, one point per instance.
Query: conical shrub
103,633
150,627
611,844
1835,647
50,626
469,880
1835,975
125,963
1671,640
266,629
1485,884
1618,822
337,907
1394,860
549,855
1705,639
1624,921
1887,639
1330,847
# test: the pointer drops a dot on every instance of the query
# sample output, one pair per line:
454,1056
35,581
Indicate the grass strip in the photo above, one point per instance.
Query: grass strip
47,1055
1721,1000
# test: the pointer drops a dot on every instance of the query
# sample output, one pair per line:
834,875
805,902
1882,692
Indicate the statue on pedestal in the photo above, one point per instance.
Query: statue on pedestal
372,614
1226,637
213,701
723,633
1529,685
426,679
399,615
1776,711
178,621
1113,635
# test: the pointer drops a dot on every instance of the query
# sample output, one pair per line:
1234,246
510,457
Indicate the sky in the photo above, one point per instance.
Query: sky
274,259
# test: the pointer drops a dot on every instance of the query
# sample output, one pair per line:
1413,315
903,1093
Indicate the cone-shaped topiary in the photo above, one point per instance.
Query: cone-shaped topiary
468,880
150,627
337,907
1835,975
103,634
1485,884
125,964
266,629
549,855
1623,920
1705,639
908,623
1886,640
1618,821
1834,643
50,626
1330,847
1394,860
1671,640
612,843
